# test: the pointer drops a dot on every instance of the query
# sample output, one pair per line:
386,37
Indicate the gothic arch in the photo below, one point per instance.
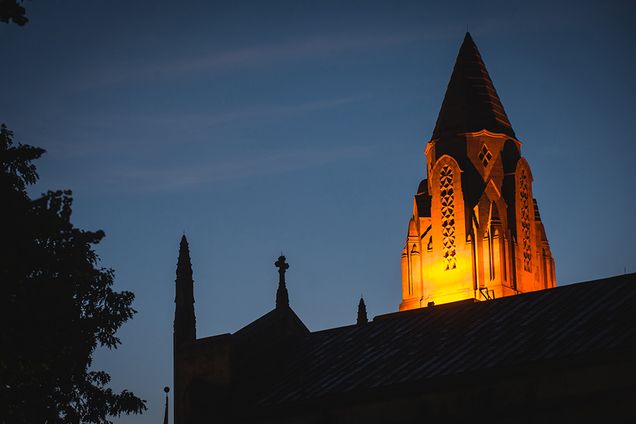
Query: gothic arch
448,214
524,211
510,155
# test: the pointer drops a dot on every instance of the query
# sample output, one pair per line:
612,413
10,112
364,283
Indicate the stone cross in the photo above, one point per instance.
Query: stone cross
282,298
282,268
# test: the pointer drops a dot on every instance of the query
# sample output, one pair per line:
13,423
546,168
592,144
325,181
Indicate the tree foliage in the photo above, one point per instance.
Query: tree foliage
13,11
56,304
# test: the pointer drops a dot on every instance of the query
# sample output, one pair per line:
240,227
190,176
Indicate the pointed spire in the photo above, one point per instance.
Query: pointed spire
362,312
165,413
282,297
471,102
184,319
184,266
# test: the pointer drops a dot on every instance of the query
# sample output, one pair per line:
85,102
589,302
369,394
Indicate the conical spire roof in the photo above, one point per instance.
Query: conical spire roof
362,312
184,319
184,266
471,102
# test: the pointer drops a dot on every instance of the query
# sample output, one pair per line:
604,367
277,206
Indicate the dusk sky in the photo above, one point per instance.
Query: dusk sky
261,127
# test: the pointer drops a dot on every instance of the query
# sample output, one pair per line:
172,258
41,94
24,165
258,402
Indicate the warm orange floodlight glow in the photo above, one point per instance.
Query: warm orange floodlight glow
476,232
482,241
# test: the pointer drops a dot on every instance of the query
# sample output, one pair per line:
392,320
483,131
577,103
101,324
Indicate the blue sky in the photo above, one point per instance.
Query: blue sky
261,127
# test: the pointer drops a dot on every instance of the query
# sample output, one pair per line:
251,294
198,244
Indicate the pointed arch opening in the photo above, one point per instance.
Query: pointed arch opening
447,197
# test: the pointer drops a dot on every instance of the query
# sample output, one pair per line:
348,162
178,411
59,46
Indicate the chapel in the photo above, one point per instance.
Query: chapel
482,333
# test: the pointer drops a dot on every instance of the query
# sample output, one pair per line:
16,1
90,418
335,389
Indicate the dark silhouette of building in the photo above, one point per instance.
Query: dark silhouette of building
540,354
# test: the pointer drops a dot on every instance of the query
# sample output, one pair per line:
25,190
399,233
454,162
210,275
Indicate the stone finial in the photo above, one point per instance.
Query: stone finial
282,297
165,413
362,312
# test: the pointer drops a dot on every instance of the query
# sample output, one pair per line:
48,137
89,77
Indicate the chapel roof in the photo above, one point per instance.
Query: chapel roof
411,348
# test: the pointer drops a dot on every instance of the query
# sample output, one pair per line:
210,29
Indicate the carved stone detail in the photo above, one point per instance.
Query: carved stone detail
448,216
525,221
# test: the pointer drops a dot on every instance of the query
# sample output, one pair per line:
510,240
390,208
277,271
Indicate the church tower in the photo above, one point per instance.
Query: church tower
184,319
476,231
184,331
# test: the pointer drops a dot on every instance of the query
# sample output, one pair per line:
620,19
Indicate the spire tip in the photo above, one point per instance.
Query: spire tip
282,296
362,312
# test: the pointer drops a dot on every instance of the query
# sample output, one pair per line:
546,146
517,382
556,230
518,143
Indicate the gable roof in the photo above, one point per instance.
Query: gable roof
471,102
277,324
411,347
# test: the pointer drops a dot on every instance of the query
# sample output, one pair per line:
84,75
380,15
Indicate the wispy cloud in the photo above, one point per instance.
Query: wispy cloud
94,135
247,57
200,120
240,167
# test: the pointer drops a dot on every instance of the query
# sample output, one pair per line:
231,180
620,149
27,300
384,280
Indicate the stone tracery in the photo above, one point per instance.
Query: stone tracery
525,221
448,216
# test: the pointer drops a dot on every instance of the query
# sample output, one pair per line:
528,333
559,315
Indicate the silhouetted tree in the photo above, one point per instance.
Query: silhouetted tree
12,10
56,304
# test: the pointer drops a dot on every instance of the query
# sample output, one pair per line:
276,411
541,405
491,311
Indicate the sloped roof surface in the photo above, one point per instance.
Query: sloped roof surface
471,102
273,319
597,317
423,204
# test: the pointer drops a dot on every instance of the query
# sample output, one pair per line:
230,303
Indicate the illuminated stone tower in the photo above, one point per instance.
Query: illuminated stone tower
476,232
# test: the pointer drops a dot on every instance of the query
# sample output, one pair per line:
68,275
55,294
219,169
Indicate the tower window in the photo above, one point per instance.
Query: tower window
485,155
525,221
448,216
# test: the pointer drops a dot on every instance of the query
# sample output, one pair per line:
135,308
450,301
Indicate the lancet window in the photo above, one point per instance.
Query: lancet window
447,197
525,221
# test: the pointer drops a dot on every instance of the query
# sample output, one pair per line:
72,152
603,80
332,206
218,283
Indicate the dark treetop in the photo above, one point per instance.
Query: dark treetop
57,305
